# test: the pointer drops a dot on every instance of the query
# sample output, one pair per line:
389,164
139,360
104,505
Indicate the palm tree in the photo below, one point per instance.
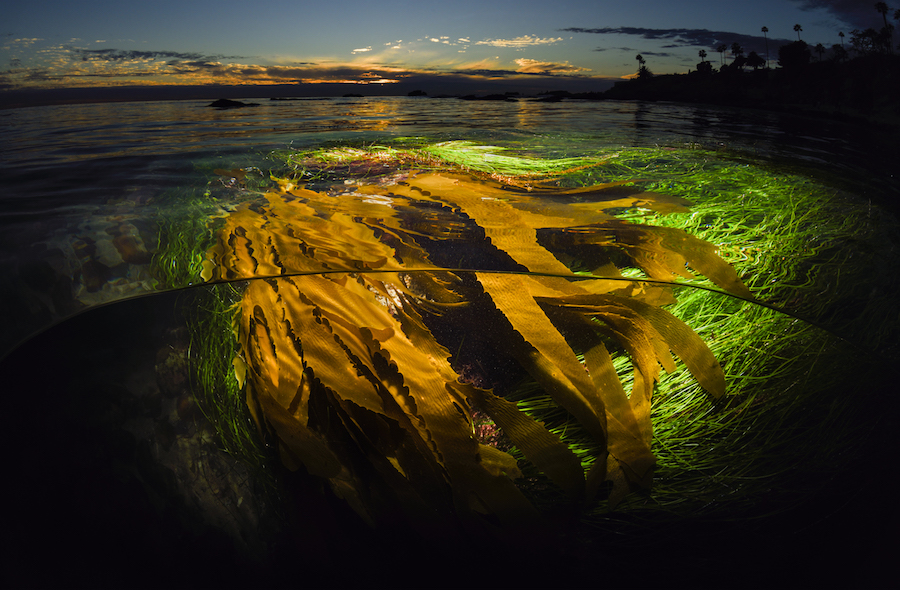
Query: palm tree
897,16
643,72
721,49
764,31
702,54
882,8
820,49
798,28
841,35
737,56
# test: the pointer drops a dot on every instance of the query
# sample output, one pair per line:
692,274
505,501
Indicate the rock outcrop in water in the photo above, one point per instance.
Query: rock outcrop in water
224,103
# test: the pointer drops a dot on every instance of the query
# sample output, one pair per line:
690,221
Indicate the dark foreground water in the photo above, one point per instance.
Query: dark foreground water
115,480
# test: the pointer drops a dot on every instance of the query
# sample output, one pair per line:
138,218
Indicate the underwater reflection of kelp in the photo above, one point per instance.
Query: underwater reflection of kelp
344,336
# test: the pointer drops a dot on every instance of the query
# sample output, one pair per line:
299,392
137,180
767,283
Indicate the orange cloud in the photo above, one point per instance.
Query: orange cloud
533,66
520,42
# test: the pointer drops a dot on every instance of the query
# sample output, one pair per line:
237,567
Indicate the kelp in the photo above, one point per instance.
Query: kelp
341,335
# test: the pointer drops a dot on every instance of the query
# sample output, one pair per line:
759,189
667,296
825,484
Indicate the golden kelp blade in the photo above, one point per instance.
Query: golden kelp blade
541,447
662,252
279,383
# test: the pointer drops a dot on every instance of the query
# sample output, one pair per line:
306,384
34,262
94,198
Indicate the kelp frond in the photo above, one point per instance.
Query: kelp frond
327,339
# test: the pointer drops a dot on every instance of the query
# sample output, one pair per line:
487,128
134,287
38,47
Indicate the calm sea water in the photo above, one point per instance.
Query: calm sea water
65,167
74,179
40,139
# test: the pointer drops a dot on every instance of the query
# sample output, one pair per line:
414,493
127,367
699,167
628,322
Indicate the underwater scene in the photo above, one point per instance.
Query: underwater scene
437,342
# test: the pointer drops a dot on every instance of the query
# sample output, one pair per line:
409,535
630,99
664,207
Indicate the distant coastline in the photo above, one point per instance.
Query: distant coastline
864,89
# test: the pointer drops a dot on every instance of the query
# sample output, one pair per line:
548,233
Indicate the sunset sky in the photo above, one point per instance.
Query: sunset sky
391,46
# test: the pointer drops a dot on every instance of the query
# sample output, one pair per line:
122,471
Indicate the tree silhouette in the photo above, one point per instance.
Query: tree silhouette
870,41
840,54
819,49
704,67
897,17
797,29
766,37
721,49
737,56
794,56
643,71
841,35
885,39
755,61
888,31
882,8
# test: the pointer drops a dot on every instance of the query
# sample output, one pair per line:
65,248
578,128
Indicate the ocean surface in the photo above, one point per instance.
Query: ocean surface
85,191
63,165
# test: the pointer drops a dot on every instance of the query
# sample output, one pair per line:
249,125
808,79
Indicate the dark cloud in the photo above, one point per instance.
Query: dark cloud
134,55
626,49
486,73
690,37
858,14
37,75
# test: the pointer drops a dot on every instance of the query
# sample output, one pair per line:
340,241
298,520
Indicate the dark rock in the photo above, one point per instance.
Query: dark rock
224,103
94,275
131,250
38,274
